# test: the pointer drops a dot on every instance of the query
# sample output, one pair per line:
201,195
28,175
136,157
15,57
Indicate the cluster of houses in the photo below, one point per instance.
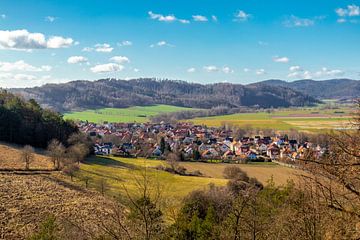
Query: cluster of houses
193,142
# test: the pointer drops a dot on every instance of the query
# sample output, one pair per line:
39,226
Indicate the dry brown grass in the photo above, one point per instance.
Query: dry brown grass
10,159
27,200
263,173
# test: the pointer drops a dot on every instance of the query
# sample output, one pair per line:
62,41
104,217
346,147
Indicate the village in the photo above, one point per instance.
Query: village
193,143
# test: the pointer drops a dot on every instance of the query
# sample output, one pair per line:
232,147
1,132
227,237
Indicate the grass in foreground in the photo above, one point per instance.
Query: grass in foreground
131,114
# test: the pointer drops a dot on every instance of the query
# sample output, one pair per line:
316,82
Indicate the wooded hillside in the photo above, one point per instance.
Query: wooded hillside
141,92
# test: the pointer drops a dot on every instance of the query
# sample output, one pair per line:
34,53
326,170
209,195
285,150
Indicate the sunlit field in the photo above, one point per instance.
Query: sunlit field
126,115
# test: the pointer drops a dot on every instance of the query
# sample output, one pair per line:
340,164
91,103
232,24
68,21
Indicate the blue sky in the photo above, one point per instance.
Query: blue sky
206,41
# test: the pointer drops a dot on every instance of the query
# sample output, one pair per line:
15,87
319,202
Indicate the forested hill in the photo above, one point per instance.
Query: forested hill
120,93
25,122
333,88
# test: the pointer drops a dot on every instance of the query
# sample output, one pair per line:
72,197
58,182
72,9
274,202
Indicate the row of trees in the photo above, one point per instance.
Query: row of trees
63,158
25,122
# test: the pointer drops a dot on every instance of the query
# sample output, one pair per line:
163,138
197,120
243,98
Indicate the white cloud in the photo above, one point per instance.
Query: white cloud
281,59
328,72
59,42
24,40
125,43
214,18
21,65
184,21
120,59
227,70
199,18
106,48
136,70
50,18
100,47
161,44
107,68
260,71
294,68
246,70
26,80
241,16
354,10
191,70
3,16
294,21
211,68
162,18
166,18
298,72
349,11
77,59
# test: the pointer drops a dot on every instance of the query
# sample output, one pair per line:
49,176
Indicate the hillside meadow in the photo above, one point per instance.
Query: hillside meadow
138,114
122,176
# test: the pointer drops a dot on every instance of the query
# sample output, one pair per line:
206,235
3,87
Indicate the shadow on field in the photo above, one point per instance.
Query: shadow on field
108,162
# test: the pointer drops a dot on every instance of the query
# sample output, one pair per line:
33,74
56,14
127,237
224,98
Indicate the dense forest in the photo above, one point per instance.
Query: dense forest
333,88
120,93
25,122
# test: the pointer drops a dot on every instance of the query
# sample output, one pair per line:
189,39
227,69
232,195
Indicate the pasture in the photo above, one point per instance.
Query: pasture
138,114
123,175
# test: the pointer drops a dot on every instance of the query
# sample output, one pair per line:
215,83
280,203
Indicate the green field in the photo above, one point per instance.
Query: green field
123,173
131,114
122,176
306,119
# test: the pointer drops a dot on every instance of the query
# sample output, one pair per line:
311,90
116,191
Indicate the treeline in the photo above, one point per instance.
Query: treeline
328,89
25,122
143,92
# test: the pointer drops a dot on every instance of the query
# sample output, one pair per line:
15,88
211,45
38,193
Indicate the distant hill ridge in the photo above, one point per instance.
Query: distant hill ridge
333,88
78,95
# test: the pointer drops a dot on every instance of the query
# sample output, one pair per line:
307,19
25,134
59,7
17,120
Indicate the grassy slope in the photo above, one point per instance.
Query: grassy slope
10,158
261,171
285,119
121,172
28,199
131,114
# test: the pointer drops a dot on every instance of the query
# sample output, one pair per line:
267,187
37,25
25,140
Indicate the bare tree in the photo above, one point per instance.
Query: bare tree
78,152
103,186
71,169
145,205
27,156
336,173
86,180
57,152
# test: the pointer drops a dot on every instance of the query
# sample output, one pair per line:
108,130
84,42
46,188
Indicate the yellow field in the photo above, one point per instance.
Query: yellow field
123,172
262,171
304,119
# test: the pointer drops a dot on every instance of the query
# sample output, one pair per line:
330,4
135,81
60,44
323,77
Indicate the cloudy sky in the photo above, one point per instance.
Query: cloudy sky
206,41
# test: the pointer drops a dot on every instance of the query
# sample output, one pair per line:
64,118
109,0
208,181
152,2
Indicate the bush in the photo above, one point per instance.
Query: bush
233,172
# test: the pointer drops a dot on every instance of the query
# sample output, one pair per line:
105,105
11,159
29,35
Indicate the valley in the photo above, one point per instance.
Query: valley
138,114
